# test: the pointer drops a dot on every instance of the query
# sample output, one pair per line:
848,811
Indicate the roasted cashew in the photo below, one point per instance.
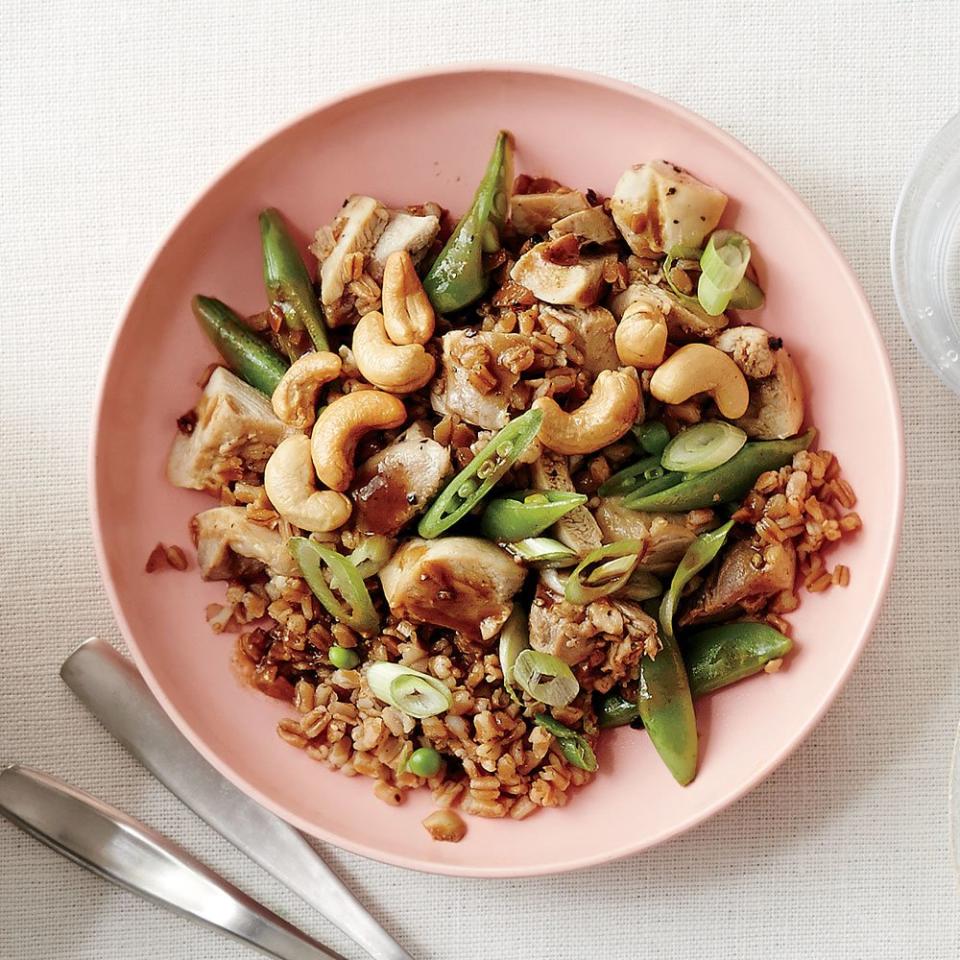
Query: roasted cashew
396,369
700,368
605,416
641,336
291,486
294,400
408,315
341,425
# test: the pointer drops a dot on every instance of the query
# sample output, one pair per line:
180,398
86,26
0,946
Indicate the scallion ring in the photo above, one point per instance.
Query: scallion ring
703,447
514,639
372,555
543,552
545,677
723,265
603,571
411,692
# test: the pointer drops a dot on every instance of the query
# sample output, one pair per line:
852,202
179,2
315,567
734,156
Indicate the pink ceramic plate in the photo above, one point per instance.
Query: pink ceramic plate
427,137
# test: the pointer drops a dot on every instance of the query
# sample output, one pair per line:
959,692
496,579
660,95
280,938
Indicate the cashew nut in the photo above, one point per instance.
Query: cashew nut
396,369
294,400
641,336
291,486
700,368
407,312
605,416
341,425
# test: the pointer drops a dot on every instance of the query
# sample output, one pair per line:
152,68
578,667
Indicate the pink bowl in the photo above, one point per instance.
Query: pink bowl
426,137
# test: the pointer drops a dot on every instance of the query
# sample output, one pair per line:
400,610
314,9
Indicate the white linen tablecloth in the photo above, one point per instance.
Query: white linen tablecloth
114,114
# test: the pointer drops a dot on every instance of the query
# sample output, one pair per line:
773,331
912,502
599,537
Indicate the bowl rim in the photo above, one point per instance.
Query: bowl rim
880,588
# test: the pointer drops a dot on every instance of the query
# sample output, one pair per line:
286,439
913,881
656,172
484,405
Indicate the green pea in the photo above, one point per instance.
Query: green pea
342,658
424,762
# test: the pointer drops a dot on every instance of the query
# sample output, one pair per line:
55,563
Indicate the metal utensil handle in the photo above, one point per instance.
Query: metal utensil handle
114,846
112,689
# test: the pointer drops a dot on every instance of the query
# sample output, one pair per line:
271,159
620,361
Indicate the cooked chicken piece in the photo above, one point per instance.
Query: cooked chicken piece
684,320
231,545
747,575
776,403
464,583
606,637
236,431
750,349
658,206
404,232
357,228
666,535
480,373
592,225
594,329
398,483
577,284
578,530
535,213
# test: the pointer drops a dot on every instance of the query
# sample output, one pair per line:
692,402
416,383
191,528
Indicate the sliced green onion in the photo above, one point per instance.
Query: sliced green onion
372,555
573,746
518,516
629,478
543,552
514,639
410,691
463,492
356,609
680,253
603,571
553,581
747,296
724,263
703,446
701,552
545,677
641,586
652,436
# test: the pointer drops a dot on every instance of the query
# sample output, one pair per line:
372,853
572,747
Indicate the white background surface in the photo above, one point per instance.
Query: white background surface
113,115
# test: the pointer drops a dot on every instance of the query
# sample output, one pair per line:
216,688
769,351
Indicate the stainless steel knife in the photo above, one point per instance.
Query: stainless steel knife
110,686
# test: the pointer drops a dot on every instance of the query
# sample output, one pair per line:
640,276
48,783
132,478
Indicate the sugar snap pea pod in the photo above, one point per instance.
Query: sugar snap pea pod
701,552
246,354
630,478
287,281
730,481
457,276
666,708
480,476
715,657
574,746
526,513
652,436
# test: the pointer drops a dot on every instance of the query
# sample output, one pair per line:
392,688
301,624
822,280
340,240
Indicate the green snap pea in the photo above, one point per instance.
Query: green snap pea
653,436
730,481
457,276
574,746
343,658
518,516
287,281
249,357
478,478
629,478
424,762
715,658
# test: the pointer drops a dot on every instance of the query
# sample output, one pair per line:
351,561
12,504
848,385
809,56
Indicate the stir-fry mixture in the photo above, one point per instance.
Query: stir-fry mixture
488,488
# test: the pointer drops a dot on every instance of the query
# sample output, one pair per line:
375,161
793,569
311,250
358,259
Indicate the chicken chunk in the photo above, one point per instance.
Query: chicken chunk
231,545
577,284
776,402
577,529
747,575
592,225
750,348
685,321
398,483
605,638
235,433
356,228
666,535
464,583
658,206
594,329
535,213
481,371
405,231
